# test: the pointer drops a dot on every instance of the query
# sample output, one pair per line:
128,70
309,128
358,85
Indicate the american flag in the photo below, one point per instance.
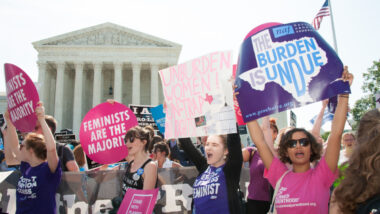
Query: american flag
324,11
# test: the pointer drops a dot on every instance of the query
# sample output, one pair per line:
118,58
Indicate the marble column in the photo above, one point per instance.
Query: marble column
58,111
118,81
154,90
42,81
97,92
136,83
77,114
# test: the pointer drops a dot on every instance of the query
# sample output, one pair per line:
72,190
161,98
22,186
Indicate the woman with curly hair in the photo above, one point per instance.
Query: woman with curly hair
360,188
303,188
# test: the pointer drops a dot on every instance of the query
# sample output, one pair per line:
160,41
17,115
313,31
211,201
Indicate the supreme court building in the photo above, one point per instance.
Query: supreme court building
83,68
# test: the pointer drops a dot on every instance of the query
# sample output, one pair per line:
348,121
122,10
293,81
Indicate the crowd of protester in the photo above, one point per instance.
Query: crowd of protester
292,170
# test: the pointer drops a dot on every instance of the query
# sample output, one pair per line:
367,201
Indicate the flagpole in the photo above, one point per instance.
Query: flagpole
333,28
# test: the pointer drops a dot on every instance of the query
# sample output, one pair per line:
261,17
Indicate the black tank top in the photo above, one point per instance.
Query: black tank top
134,180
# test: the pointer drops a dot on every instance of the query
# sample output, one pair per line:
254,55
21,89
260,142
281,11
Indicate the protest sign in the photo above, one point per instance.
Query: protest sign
143,115
138,201
22,98
65,138
239,116
327,116
102,132
286,66
292,119
159,117
198,97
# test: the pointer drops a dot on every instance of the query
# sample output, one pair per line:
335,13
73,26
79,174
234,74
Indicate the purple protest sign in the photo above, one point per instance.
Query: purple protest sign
285,66
22,97
102,132
138,201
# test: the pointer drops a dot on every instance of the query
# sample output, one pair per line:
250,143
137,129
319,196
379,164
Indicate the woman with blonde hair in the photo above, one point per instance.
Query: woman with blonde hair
359,191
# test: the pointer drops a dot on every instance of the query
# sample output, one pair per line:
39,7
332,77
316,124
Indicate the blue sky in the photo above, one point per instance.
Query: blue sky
199,26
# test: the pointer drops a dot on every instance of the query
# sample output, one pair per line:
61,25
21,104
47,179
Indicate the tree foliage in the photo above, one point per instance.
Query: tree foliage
370,87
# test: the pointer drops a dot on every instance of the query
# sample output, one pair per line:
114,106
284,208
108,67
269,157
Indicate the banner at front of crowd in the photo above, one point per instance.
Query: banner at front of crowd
284,66
92,192
102,132
144,115
22,98
198,97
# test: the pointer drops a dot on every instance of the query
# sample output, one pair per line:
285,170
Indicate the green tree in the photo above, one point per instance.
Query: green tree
325,135
371,86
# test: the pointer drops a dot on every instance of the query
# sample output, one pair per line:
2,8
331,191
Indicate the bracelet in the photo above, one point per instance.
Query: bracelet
343,95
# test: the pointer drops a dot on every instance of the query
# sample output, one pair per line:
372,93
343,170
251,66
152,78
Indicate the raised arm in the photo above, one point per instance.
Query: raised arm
316,131
257,137
52,157
235,156
11,143
268,134
337,126
194,154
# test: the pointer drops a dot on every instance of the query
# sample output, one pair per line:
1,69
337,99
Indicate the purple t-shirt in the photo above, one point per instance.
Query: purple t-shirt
210,191
258,188
36,188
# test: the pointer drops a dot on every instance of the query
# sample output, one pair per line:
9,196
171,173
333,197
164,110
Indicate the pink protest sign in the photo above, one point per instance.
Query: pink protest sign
22,98
102,132
198,96
138,201
239,116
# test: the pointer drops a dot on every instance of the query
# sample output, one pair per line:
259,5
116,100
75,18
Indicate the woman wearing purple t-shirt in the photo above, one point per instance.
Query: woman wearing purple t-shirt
40,168
303,189
215,190
259,190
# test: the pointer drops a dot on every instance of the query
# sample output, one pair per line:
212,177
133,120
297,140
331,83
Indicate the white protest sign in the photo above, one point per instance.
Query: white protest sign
198,96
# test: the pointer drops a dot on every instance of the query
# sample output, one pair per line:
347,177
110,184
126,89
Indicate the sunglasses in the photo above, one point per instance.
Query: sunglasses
293,143
131,139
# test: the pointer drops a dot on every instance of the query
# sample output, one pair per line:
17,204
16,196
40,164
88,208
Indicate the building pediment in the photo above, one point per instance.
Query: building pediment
106,34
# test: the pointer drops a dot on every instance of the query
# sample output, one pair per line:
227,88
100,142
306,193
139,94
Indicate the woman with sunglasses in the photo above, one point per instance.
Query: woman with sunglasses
40,168
141,172
303,189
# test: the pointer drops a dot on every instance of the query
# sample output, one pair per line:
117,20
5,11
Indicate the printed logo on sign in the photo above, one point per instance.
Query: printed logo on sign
292,65
283,31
